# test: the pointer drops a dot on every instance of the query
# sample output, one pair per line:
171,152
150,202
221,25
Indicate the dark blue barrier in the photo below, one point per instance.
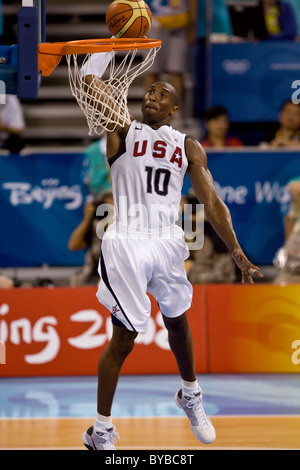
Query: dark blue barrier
253,185
252,79
42,196
41,202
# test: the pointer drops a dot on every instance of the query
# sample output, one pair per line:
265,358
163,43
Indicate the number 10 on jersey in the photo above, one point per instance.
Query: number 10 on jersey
157,180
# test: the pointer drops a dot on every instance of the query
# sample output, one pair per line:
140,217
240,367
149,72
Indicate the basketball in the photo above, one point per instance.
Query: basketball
128,18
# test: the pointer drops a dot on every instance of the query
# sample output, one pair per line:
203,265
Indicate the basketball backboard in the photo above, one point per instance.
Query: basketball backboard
19,62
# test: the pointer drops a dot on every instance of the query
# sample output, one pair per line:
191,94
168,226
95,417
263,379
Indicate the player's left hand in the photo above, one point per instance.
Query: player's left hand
245,266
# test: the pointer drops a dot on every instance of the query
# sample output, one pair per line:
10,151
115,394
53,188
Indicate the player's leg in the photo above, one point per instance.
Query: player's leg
181,344
109,367
174,293
189,398
102,435
123,270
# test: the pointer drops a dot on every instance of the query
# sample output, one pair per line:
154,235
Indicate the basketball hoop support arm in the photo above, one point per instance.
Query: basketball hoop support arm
31,31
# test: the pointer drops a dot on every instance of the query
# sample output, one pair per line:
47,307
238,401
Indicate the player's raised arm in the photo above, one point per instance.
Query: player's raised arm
101,96
102,100
216,210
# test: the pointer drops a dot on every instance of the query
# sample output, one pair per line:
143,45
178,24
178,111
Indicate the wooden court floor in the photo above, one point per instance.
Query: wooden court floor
159,433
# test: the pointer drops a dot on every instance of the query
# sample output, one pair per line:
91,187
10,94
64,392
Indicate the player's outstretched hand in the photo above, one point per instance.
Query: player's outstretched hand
245,266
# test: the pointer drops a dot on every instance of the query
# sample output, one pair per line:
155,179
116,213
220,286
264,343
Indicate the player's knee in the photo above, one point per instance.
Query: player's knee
122,344
177,323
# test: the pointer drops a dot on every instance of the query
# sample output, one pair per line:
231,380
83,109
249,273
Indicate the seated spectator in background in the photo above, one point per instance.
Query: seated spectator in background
213,263
12,124
96,169
96,176
295,4
220,19
6,282
274,20
84,237
1,22
287,258
217,127
287,134
219,26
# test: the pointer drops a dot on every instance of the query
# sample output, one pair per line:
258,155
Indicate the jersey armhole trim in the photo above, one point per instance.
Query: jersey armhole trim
115,157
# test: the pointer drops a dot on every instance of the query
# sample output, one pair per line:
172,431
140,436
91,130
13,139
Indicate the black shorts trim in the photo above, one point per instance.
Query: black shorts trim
105,279
116,321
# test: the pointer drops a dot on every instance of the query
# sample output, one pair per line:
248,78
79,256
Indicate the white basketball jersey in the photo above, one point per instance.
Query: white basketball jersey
147,177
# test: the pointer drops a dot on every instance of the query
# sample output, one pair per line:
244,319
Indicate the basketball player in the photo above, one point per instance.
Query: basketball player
148,162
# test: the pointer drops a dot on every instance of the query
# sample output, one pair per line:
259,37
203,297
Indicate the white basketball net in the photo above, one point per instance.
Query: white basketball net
104,102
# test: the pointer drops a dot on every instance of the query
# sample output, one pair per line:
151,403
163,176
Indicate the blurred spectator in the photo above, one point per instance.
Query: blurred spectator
219,25
287,258
6,282
96,168
296,7
12,124
287,134
220,19
174,22
217,127
213,262
275,20
85,237
1,22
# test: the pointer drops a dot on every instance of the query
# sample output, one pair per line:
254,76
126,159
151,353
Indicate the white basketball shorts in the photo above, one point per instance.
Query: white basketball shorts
131,267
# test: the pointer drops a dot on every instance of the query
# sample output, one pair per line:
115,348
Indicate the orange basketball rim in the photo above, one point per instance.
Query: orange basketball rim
50,54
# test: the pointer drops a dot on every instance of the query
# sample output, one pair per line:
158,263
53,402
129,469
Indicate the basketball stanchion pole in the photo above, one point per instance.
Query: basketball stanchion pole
30,32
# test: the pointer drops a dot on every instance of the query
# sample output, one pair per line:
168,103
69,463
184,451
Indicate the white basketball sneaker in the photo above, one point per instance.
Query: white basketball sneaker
200,423
96,440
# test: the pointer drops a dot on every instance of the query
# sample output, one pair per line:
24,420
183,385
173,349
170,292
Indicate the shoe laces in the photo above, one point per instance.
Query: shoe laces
196,404
112,438
116,437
